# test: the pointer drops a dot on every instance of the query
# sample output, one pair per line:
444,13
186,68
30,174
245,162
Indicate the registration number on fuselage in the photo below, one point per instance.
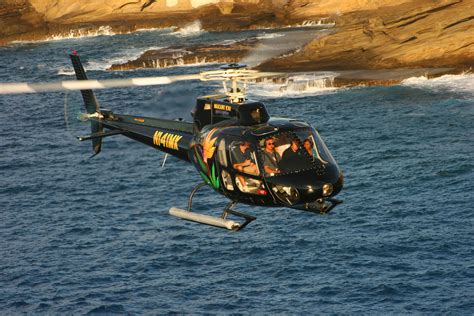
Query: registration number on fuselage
167,140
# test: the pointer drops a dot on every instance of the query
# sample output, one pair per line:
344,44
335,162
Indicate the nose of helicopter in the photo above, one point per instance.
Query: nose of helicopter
305,187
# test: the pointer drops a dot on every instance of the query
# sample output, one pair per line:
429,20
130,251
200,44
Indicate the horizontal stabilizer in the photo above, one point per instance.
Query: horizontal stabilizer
204,219
100,135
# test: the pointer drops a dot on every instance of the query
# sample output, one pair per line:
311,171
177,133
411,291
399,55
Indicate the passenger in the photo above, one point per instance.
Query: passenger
270,157
243,159
308,146
292,158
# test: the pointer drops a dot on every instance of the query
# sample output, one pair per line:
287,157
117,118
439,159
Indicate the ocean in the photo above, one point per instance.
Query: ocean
80,235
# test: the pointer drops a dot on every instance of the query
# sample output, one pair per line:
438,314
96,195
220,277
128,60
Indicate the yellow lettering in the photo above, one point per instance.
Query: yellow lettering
177,141
163,140
157,138
170,141
166,140
223,107
174,142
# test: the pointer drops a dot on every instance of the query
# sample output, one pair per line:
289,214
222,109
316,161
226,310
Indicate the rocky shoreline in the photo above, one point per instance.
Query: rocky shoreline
186,55
425,36
20,21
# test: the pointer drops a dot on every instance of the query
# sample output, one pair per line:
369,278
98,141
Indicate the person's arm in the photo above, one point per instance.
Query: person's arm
241,165
270,170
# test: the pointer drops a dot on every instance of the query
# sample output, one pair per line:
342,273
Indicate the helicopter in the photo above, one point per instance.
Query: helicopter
234,144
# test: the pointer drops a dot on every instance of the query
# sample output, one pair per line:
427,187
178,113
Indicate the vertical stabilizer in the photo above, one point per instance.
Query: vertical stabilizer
90,102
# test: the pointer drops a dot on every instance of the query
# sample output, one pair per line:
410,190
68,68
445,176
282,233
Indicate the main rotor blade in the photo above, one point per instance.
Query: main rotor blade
71,85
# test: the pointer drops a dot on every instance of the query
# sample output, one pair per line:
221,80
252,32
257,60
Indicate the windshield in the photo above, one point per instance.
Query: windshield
294,151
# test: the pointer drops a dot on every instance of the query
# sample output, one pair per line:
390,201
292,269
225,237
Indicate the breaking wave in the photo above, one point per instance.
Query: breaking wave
177,62
325,22
119,57
76,33
189,30
294,86
269,35
66,72
453,83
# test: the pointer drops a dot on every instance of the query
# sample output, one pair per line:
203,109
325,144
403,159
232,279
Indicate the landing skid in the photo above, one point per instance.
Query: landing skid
221,222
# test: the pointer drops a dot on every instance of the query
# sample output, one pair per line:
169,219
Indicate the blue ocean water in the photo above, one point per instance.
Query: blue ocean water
81,235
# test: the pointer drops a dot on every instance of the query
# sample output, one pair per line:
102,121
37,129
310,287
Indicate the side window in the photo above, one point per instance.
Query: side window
221,154
227,181
242,156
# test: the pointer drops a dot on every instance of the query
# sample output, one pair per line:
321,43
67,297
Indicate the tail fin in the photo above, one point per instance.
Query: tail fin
90,102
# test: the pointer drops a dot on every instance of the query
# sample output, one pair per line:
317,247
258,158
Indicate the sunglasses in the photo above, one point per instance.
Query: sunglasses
271,144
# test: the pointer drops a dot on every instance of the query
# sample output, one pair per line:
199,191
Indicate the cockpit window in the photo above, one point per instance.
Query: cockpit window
294,151
314,146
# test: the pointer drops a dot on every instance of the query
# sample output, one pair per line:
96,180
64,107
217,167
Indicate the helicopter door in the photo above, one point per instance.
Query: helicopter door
222,160
245,165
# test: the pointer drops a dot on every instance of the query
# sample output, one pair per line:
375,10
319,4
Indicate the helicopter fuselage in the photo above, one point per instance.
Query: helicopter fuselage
230,152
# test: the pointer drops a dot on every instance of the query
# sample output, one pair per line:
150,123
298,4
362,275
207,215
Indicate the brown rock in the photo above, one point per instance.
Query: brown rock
413,34
18,17
180,55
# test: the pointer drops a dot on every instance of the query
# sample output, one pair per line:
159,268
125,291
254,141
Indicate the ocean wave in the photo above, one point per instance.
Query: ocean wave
119,57
326,22
189,30
454,83
269,35
66,72
295,86
74,34
157,29
179,62
227,42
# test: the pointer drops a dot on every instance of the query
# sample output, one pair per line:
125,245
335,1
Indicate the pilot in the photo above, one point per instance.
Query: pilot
271,158
243,160
292,157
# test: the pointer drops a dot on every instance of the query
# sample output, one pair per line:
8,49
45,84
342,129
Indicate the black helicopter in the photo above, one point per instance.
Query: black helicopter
235,146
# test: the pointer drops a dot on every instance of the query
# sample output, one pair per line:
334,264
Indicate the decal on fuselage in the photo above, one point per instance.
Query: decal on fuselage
167,140
222,107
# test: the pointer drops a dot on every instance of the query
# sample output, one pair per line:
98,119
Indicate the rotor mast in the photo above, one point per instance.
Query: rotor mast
234,79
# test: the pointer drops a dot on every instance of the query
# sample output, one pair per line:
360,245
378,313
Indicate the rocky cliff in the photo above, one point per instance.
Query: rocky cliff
40,19
369,34
422,33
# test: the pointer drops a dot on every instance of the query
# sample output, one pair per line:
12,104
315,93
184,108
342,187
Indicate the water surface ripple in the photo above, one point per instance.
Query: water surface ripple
93,236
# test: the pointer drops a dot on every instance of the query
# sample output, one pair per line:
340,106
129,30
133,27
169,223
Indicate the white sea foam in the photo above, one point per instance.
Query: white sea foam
73,34
119,57
179,62
295,86
452,83
227,42
65,72
269,35
325,22
189,30
157,29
